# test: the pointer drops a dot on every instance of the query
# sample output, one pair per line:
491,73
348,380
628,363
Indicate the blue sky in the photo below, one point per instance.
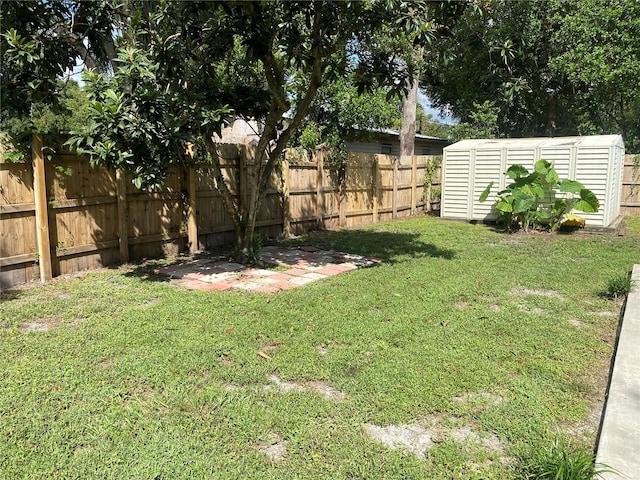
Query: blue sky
437,115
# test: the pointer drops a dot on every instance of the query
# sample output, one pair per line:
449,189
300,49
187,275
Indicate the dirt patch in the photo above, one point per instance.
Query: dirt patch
410,438
283,386
327,391
226,361
419,437
462,305
576,322
275,448
539,293
324,389
41,325
534,310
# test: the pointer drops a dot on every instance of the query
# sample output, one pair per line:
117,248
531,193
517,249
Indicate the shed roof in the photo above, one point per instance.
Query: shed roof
545,142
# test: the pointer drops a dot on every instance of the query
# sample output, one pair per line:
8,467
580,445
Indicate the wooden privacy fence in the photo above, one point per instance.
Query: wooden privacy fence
60,215
630,195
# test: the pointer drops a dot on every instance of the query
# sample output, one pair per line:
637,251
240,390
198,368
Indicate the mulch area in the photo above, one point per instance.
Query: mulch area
292,267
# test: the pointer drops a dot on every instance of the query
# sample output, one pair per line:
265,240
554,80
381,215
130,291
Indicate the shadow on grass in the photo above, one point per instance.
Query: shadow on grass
147,269
391,247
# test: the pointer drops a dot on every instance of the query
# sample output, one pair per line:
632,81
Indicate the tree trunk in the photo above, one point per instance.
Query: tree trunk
408,129
551,115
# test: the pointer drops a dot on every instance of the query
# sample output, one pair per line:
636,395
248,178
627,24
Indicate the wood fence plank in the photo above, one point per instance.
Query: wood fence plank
414,184
286,199
192,222
123,216
319,190
394,198
42,217
375,192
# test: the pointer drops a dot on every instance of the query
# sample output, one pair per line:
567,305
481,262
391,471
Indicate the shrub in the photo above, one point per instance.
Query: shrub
540,198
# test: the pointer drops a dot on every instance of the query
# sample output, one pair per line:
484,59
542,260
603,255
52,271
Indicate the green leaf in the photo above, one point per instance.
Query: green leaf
485,192
504,206
588,202
570,186
516,171
523,202
543,167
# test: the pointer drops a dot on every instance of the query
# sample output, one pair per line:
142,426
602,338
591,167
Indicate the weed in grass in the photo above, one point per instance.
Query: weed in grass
564,461
619,286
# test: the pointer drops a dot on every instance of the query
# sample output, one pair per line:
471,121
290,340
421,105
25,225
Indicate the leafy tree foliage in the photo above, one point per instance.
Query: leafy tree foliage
339,113
184,67
42,40
70,113
601,60
482,123
551,67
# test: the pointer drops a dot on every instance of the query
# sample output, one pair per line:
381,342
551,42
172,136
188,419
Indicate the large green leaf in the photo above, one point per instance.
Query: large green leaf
571,186
505,205
523,201
588,202
516,171
485,192
543,167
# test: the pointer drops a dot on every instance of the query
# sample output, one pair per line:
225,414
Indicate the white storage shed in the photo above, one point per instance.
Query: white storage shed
470,165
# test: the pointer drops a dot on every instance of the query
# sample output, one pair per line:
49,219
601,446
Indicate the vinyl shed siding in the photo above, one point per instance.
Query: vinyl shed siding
470,165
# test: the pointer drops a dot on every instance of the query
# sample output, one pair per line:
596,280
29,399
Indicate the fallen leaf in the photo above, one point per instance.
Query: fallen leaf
445,323
264,355
229,330
277,343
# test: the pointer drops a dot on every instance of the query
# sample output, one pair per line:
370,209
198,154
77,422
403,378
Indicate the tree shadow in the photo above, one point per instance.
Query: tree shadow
391,247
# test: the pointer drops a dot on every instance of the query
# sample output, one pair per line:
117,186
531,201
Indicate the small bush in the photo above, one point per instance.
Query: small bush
619,286
565,462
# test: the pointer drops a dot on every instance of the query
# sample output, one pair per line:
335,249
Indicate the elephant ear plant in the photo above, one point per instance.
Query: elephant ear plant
540,199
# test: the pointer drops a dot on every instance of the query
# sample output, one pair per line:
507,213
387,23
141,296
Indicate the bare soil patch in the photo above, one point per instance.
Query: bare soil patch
324,389
275,448
419,437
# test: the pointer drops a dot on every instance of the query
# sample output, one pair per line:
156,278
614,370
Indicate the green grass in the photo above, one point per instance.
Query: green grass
505,335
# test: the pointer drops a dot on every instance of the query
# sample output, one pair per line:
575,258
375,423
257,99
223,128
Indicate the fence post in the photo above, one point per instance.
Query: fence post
192,223
123,216
414,185
42,217
394,200
375,191
286,200
320,188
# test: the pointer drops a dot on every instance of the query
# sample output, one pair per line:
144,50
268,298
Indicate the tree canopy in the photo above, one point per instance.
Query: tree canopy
550,67
184,68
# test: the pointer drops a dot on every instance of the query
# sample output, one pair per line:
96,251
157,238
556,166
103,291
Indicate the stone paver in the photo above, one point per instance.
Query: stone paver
298,266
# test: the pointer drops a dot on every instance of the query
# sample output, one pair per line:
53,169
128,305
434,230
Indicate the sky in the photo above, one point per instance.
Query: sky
437,115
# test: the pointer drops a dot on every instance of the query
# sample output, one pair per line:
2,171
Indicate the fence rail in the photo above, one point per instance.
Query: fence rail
60,216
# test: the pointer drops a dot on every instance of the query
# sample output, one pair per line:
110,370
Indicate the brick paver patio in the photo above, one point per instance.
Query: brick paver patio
293,267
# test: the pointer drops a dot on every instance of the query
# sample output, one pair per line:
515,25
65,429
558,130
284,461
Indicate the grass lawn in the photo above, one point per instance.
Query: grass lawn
481,347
